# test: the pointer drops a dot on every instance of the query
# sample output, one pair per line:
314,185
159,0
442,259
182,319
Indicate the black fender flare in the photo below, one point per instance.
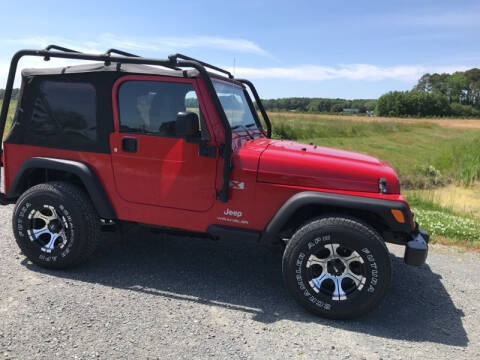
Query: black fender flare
380,207
82,171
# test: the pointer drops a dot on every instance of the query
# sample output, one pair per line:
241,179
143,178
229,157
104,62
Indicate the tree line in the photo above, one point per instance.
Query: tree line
456,94
304,104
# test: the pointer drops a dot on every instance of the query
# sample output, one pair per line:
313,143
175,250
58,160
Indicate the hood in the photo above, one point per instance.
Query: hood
292,163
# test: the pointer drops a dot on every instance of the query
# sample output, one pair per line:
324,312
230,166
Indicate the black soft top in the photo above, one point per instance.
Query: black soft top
113,67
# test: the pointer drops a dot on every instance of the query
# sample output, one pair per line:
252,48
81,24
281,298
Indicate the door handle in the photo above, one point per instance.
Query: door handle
129,144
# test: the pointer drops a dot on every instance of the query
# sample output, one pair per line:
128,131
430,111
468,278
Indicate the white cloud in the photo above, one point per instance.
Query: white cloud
164,45
172,43
367,72
154,44
40,42
361,72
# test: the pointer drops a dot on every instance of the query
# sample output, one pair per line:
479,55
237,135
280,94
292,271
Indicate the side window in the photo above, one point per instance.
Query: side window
63,115
151,107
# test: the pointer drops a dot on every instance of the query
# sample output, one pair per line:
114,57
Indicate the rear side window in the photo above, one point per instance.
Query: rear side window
151,107
63,113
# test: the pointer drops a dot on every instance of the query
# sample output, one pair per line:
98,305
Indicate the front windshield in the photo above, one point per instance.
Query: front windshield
235,105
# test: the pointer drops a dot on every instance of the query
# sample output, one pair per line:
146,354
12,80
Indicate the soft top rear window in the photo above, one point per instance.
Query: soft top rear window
63,113
71,112
69,108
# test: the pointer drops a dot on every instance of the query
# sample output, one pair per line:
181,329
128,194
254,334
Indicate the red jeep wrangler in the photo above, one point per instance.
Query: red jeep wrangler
177,144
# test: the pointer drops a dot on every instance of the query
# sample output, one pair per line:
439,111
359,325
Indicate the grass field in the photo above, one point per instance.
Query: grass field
438,162
467,123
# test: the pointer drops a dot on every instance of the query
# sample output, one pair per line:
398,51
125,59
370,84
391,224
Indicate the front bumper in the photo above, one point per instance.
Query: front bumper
416,250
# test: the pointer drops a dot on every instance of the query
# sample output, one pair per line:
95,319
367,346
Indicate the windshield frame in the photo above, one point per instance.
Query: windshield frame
251,107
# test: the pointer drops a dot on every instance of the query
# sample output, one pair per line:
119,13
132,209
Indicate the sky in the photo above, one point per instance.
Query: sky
347,49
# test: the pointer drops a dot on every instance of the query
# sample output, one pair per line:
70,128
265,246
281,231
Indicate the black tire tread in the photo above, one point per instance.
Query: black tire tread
82,201
344,221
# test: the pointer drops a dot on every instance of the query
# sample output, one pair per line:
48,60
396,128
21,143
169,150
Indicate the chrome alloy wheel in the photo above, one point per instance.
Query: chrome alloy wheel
48,228
336,271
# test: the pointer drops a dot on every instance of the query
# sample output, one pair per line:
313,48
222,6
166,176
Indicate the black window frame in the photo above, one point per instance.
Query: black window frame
21,125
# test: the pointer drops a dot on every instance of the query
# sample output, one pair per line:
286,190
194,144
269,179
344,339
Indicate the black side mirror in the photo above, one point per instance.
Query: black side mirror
187,125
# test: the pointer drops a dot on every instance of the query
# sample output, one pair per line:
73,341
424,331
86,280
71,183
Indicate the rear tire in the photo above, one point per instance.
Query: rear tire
337,267
56,225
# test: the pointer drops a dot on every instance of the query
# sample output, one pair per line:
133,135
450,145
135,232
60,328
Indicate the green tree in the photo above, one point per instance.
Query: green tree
412,103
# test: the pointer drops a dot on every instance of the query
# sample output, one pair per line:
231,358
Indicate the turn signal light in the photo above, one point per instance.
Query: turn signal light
398,215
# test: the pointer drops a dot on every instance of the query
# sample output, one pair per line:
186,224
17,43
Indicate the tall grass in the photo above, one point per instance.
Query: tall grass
443,223
461,160
286,127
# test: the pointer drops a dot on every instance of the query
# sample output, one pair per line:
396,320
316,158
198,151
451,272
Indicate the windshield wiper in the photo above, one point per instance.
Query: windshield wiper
250,125
244,128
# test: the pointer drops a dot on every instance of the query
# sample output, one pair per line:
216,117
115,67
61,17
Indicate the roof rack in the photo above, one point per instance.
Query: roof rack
124,53
174,57
175,62
59,48
119,52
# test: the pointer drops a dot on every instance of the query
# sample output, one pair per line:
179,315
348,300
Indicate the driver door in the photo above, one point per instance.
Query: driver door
151,164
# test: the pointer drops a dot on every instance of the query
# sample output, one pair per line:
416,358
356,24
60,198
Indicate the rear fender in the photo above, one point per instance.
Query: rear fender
82,171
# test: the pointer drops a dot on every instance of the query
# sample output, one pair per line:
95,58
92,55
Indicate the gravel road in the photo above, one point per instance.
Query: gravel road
146,296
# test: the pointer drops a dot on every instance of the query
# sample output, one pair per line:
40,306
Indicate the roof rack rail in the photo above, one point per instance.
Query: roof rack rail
59,48
174,57
127,54
119,52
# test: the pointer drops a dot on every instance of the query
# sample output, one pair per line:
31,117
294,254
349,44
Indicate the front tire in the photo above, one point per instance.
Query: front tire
56,225
337,267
